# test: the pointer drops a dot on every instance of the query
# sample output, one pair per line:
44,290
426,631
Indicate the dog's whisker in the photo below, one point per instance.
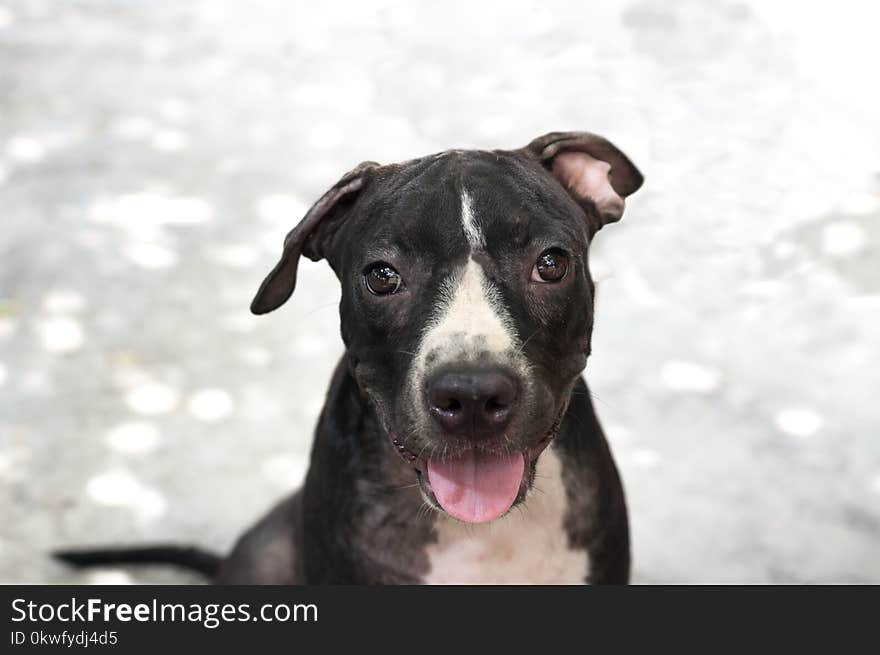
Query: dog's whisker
595,397
519,351
422,451
424,510
315,310
406,486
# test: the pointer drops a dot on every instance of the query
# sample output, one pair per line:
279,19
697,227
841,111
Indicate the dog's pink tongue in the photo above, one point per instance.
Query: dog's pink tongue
476,487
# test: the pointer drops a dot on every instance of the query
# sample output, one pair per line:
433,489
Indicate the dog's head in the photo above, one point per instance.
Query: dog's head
467,302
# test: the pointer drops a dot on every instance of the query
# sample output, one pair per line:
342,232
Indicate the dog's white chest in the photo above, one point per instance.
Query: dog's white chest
528,546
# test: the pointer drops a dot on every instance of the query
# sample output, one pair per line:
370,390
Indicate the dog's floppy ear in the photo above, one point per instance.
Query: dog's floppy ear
306,239
591,169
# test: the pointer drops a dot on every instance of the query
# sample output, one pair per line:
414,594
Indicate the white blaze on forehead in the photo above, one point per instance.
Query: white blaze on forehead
471,230
473,318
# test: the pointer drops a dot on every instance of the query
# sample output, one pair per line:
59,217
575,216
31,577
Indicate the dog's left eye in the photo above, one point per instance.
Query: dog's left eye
382,280
551,266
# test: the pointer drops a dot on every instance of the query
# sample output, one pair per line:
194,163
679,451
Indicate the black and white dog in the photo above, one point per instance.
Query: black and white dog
458,442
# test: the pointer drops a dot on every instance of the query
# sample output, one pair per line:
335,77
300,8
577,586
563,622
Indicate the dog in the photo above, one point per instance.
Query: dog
458,442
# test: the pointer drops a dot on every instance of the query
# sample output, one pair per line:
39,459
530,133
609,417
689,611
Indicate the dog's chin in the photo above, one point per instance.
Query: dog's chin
476,483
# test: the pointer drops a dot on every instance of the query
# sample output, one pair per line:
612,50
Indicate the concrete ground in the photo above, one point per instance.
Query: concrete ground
153,155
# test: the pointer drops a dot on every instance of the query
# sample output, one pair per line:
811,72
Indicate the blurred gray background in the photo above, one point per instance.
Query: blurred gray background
153,155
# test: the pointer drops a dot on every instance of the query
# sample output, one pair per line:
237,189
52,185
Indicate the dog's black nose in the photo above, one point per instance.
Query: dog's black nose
472,402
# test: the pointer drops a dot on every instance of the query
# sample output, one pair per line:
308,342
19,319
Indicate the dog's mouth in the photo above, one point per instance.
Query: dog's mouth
477,485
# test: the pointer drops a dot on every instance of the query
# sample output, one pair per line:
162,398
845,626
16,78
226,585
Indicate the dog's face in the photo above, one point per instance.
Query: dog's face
467,302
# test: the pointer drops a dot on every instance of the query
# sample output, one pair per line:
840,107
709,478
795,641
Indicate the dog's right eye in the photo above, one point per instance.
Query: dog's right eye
382,280
551,266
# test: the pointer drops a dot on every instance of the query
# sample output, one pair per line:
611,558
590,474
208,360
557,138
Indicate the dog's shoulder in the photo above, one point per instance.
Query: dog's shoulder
266,553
